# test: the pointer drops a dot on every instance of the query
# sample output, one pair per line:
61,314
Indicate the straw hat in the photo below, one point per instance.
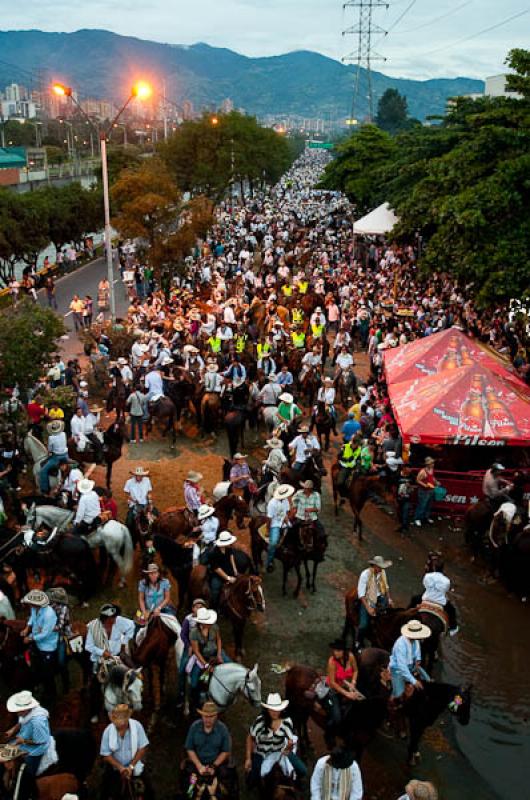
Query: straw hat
95,409
140,472
194,477
58,595
428,461
415,630
272,377
205,616
303,429
275,702
36,598
283,492
205,511
212,368
307,485
8,752
120,713
273,442
379,561
239,456
122,361
21,701
225,539
57,426
85,485
190,348
151,568
209,709
285,397
421,790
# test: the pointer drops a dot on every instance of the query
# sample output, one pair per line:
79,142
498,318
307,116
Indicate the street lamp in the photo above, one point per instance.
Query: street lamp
142,91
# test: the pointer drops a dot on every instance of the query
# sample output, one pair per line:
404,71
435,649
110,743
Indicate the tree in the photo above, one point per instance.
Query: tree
29,335
22,235
392,112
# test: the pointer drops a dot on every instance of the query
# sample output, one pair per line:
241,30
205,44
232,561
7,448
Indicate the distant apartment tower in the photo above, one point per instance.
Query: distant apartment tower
101,109
227,105
187,109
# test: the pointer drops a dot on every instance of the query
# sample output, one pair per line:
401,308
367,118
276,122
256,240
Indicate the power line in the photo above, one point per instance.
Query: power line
363,30
475,35
398,20
435,20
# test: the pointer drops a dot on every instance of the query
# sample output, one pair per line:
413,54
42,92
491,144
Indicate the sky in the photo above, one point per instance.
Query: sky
425,39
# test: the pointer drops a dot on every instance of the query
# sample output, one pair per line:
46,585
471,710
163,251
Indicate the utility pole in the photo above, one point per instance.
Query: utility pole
363,29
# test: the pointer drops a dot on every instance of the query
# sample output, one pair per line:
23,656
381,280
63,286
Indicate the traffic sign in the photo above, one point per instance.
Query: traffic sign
321,145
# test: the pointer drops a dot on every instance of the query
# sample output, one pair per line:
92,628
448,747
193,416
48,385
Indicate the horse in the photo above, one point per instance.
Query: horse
323,422
155,644
359,490
122,685
509,538
181,391
210,412
234,422
346,385
477,523
117,398
38,452
177,522
113,439
164,412
229,680
312,470
309,384
424,707
238,601
277,786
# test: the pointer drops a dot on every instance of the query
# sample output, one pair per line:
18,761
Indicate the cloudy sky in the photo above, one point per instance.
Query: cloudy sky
425,38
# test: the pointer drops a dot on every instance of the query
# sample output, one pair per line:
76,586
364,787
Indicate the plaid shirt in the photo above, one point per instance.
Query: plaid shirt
63,626
302,502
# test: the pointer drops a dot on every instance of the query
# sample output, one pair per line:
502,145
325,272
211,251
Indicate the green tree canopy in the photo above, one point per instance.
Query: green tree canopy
392,112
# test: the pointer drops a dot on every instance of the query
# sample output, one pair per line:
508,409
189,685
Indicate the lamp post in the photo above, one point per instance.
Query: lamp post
142,91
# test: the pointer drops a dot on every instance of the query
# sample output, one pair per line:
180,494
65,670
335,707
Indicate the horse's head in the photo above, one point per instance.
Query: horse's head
133,687
306,536
240,509
255,596
30,514
252,687
460,705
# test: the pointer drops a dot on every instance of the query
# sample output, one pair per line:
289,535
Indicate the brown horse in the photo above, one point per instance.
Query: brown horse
165,414
277,786
176,523
113,439
117,398
312,470
238,601
323,422
153,652
210,412
358,492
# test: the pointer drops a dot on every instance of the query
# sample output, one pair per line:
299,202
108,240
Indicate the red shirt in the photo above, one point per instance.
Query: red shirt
35,412
109,505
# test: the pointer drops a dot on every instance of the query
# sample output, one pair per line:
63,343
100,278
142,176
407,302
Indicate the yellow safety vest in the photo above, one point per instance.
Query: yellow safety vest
297,314
318,330
348,457
263,348
302,287
241,343
298,339
215,344
287,290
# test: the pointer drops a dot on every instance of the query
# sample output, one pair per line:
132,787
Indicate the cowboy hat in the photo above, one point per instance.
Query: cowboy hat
285,397
139,471
415,630
8,752
83,384
307,485
212,368
379,561
272,377
274,442
120,713
225,539
151,568
497,466
283,491
421,790
328,380
21,701
209,709
239,456
166,361
57,426
122,360
190,348
205,511
429,460
109,610
303,429
205,616
341,758
58,595
275,702
36,598
85,485
194,477
95,409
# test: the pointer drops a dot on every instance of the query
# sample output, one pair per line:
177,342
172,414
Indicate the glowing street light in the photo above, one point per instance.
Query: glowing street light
215,120
141,91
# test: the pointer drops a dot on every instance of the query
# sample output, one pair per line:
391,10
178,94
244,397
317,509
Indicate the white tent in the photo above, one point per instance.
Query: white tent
378,222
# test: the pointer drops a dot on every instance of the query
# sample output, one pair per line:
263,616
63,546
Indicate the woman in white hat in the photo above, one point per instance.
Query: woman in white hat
209,525
206,646
278,509
31,732
222,565
275,461
271,739
405,661
88,514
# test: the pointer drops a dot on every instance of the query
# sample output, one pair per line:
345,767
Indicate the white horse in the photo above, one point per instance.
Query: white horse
270,417
113,535
228,680
124,685
6,609
258,507
38,452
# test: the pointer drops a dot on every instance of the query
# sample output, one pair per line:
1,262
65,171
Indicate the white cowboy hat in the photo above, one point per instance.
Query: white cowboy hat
166,361
307,485
415,630
328,380
205,616
194,477
212,368
151,568
190,348
21,701
285,397
122,360
225,539
140,471
36,598
205,511
283,492
275,702
272,377
274,442
57,426
303,429
85,485
379,561
240,455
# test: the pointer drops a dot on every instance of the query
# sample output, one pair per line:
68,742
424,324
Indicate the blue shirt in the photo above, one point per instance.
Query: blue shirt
36,729
285,379
153,593
43,622
124,754
350,428
405,654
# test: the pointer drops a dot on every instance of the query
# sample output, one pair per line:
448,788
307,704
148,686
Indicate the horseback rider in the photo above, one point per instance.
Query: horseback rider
337,776
271,740
240,476
306,506
208,747
58,453
88,514
288,410
209,527
303,447
405,660
326,394
341,678
139,490
213,382
437,586
123,748
275,461
32,734
373,593
41,634
496,489
154,383
278,509
222,567
154,595
270,392
193,493
70,475
206,648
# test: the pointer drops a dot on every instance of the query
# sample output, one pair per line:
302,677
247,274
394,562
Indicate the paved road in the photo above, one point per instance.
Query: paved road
82,282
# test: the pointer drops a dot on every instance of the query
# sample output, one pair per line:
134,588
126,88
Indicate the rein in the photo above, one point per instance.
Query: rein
232,694
9,541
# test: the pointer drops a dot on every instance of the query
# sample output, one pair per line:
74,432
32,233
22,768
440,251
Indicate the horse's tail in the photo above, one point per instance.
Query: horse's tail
125,560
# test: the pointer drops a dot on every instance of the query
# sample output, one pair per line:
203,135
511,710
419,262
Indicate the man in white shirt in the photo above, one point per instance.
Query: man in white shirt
330,772
302,446
58,450
437,586
277,511
154,384
270,393
373,592
139,489
125,371
71,476
88,512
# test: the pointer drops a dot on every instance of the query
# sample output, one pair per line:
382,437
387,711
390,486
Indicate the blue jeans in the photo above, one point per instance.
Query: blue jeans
196,672
399,683
403,512
423,505
365,618
53,461
32,764
137,423
298,465
274,538
254,776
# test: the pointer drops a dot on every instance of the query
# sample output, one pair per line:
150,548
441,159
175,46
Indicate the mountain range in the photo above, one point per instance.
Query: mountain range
102,64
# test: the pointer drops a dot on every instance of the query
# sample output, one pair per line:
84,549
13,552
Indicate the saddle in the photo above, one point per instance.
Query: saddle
263,531
436,611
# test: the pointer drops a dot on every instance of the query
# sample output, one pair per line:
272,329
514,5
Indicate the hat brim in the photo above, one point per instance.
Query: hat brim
226,543
13,708
283,494
283,705
384,565
423,633
209,713
211,621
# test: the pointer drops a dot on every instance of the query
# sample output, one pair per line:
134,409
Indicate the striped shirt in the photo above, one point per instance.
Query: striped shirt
269,741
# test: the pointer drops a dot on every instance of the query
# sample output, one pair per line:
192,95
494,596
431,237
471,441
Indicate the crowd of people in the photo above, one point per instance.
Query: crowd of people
266,318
